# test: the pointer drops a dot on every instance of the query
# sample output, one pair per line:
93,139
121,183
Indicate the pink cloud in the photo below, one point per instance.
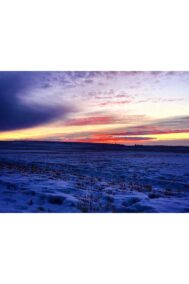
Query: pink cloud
94,120
104,119
115,103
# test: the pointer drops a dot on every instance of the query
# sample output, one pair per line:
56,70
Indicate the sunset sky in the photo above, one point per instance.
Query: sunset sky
112,107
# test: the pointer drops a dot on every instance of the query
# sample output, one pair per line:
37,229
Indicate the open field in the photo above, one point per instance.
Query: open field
68,177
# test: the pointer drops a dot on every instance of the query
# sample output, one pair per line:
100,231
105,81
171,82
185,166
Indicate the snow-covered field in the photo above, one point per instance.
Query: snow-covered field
52,179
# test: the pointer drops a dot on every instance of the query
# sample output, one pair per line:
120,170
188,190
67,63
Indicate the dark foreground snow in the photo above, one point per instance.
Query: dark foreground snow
68,179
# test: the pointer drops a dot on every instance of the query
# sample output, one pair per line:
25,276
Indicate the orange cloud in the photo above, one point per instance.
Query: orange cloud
107,138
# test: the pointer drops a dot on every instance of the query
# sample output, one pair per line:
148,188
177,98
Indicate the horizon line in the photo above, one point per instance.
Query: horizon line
100,143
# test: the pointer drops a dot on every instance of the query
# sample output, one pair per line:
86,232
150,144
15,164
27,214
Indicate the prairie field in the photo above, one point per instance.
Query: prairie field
74,178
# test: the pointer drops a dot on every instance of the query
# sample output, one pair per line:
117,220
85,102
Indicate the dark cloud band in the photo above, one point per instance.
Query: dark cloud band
14,113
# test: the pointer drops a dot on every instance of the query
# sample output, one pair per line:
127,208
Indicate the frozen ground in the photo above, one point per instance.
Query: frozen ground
53,178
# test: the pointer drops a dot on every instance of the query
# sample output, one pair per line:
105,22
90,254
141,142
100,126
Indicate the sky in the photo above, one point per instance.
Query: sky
148,108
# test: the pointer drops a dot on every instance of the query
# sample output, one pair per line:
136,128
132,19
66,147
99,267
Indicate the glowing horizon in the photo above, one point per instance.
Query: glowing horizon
149,108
